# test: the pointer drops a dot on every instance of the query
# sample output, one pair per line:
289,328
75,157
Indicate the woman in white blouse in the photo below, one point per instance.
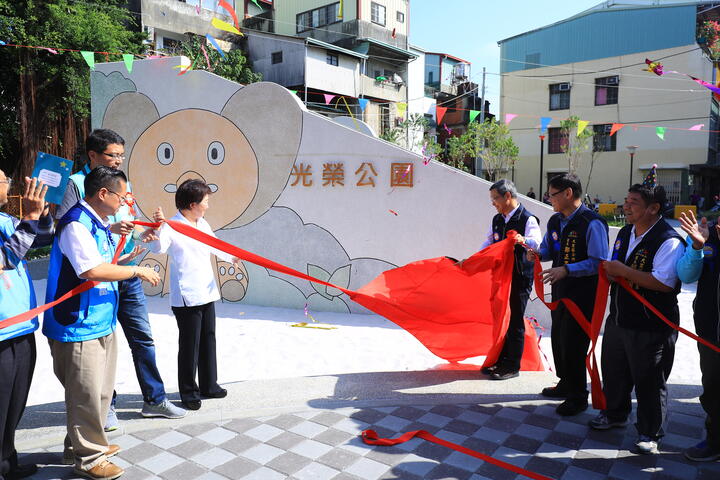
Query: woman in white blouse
193,292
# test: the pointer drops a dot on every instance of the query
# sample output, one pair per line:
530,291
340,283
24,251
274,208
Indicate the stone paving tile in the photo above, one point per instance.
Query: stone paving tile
288,463
284,421
190,448
184,471
213,458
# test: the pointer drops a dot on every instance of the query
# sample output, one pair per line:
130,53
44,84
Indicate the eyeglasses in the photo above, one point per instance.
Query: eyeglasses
116,156
123,198
558,192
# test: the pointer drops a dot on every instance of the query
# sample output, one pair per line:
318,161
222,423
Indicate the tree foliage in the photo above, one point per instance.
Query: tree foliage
575,144
491,141
233,67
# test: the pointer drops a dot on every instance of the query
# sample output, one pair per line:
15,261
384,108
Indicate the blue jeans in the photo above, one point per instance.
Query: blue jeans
133,317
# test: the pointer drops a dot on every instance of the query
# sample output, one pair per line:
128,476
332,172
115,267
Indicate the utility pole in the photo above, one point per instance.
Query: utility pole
478,162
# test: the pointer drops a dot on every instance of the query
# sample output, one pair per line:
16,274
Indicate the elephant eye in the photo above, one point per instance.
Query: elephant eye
165,153
216,153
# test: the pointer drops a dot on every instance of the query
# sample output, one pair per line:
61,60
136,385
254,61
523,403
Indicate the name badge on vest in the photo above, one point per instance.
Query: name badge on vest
556,240
616,250
496,236
102,288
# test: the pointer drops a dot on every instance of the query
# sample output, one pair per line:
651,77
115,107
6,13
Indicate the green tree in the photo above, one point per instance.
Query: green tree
46,97
491,141
457,152
233,67
576,144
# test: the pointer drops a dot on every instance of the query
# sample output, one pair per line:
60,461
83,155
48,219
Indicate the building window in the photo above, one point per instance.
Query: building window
400,17
602,141
606,90
384,119
276,57
171,45
557,140
332,59
560,96
377,13
318,17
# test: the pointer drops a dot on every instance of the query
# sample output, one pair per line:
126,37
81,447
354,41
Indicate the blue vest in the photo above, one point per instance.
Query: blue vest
17,294
122,214
91,314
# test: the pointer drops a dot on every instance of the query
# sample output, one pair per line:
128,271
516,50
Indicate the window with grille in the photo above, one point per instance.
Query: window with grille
560,96
606,90
377,13
602,141
277,57
557,140
400,17
332,59
318,17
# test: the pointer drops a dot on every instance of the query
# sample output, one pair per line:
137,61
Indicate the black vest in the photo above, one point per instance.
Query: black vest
627,311
523,270
706,306
570,246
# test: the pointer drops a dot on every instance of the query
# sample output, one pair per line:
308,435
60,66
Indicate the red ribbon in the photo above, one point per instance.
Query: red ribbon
370,437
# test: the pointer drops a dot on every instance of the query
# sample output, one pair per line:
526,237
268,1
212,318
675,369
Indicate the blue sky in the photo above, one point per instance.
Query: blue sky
470,29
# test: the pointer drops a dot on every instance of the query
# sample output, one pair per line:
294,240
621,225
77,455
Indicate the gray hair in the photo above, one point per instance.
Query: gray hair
504,186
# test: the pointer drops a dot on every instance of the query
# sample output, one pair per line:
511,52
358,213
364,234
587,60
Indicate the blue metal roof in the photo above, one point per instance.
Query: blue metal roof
600,33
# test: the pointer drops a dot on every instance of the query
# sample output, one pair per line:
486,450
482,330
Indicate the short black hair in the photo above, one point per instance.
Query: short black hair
100,138
103,177
565,181
504,186
191,191
650,195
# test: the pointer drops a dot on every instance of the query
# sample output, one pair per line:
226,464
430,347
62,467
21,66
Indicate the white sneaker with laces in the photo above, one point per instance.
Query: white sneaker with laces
163,409
111,422
646,445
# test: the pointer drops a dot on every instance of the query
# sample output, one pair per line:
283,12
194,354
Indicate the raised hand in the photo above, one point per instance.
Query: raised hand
33,200
158,215
698,232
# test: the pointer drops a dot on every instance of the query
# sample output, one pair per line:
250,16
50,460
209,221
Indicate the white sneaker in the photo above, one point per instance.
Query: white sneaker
646,445
111,422
163,409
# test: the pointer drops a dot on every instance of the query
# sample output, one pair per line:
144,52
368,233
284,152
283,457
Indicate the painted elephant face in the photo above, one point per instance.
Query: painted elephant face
194,144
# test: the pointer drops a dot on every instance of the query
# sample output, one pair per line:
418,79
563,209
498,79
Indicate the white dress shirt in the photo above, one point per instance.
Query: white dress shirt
78,245
532,233
192,279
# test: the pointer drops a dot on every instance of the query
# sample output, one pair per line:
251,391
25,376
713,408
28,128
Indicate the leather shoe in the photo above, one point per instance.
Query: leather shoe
489,370
553,392
192,404
504,374
222,393
102,471
22,471
571,407
113,449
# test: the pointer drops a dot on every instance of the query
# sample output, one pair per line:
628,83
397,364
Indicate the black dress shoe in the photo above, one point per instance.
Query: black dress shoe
572,406
22,471
504,373
553,392
222,393
192,404
489,370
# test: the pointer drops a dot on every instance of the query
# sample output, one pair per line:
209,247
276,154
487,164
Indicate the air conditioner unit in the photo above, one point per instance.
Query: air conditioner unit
563,87
613,80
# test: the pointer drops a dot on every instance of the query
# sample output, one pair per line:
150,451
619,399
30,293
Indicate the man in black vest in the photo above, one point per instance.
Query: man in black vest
701,263
637,347
576,241
513,216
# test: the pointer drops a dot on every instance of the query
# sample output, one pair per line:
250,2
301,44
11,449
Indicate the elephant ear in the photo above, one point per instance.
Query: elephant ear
130,114
271,118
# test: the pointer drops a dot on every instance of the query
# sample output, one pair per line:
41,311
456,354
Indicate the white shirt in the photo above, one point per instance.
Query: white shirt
192,278
532,234
78,245
665,259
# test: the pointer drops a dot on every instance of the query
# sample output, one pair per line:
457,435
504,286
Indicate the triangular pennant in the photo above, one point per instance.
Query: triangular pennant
340,10
401,108
581,126
229,8
256,3
699,126
221,25
439,114
544,122
615,127
294,92
363,103
89,59
660,131
128,58
214,43
473,115
509,117
328,98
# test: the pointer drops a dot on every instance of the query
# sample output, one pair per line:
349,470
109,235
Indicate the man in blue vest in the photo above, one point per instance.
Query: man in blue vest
576,241
701,263
106,148
17,342
638,348
513,216
80,330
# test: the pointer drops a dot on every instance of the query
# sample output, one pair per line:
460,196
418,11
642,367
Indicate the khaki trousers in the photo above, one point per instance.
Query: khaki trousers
87,371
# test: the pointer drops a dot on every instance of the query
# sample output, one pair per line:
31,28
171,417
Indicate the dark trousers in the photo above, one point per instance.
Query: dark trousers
515,338
17,363
641,360
196,351
569,346
710,398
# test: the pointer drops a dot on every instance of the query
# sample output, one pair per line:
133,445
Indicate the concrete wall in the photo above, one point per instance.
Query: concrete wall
343,78
348,231
645,101
290,72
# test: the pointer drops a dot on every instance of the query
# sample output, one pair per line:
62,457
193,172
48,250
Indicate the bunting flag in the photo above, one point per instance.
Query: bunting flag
581,126
660,132
51,50
89,58
207,59
439,114
215,45
363,102
231,11
616,127
544,122
328,98
707,85
473,115
185,66
294,92
699,126
128,58
509,118
224,26
340,10
401,108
